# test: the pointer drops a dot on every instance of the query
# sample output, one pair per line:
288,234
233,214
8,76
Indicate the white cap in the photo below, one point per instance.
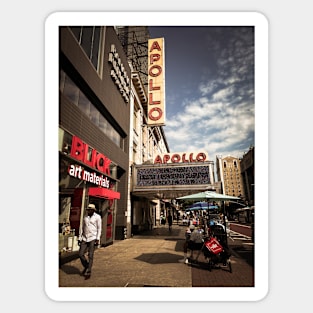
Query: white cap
91,207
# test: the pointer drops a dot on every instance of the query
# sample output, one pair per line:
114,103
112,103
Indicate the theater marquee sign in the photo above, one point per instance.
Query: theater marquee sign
172,176
176,169
156,82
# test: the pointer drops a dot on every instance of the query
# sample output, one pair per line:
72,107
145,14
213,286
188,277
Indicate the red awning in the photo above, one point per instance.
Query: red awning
103,193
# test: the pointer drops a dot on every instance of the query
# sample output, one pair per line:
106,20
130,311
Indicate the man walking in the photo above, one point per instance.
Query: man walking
170,221
89,237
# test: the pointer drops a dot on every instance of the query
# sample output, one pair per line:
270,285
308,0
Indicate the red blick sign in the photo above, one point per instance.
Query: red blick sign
89,156
156,79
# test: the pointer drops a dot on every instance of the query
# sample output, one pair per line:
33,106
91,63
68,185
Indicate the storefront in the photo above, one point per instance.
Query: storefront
94,125
85,176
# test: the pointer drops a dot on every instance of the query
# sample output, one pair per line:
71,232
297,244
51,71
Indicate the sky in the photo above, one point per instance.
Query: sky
209,87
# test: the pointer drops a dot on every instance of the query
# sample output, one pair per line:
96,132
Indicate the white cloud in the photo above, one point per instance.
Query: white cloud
219,118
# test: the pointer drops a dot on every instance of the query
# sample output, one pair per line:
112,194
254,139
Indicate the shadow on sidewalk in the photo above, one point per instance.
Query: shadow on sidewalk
70,270
159,258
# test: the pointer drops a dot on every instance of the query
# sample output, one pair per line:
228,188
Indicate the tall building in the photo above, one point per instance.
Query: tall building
229,173
247,173
145,142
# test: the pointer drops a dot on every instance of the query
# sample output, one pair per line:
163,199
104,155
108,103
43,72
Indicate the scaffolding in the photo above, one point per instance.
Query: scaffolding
134,40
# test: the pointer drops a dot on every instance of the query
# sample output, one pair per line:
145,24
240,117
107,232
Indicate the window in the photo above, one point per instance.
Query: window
94,115
135,121
84,104
77,97
89,38
134,152
70,90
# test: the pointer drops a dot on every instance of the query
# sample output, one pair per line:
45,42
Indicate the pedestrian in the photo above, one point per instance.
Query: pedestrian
89,238
188,232
170,221
177,217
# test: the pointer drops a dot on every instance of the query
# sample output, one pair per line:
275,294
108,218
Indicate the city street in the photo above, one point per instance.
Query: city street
154,259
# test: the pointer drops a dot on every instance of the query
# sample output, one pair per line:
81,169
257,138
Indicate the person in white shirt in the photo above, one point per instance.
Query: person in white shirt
89,238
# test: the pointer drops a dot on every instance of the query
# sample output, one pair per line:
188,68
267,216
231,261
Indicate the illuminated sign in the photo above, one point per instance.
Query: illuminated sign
169,176
119,74
182,157
156,82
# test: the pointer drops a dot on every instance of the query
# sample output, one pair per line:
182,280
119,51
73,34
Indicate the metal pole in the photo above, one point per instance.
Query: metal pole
224,213
82,209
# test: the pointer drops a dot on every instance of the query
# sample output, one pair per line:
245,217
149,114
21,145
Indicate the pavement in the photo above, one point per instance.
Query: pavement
154,259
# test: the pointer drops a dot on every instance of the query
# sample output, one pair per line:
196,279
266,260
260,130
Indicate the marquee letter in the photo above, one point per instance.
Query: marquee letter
158,160
158,68
155,45
155,118
154,57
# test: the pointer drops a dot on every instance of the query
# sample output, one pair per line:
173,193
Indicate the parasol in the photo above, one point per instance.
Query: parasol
210,196
203,205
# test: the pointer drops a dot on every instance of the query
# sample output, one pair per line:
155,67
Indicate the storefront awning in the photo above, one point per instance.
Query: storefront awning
103,193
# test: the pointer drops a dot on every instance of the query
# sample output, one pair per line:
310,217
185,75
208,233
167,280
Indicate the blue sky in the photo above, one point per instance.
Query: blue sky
209,75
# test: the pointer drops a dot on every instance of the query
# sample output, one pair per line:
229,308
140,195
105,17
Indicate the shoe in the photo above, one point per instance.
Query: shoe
186,261
87,275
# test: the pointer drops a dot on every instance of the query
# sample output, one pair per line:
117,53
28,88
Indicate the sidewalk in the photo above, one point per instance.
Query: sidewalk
153,259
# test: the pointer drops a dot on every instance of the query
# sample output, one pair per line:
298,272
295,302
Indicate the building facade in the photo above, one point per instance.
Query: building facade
103,134
145,141
94,124
229,174
247,173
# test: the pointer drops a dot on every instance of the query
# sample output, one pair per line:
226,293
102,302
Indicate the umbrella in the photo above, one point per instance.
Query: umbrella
202,206
243,209
208,195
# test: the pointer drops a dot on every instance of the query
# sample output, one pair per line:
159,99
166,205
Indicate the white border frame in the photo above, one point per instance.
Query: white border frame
52,24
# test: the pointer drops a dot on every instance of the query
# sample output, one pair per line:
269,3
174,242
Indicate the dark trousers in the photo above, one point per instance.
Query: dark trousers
84,246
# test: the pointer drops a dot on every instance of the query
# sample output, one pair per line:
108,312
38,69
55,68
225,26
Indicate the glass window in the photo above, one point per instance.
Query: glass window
84,103
89,38
86,40
103,124
95,47
77,30
70,90
94,115
75,95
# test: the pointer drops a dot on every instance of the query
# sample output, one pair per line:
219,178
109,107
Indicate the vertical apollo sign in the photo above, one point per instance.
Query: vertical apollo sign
156,82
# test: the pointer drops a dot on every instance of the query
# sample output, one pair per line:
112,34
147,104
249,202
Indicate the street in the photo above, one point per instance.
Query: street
154,259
